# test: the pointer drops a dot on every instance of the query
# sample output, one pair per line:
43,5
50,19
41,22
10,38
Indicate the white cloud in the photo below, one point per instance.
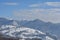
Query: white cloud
54,4
52,15
35,5
10,3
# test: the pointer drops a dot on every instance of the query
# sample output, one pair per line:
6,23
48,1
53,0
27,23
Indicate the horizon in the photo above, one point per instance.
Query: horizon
30,20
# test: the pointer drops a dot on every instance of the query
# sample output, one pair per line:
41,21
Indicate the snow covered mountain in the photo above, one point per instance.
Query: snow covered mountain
15,28
24,33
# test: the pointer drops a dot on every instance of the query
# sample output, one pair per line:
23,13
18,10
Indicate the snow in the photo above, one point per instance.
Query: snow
48,38
4,31
23,32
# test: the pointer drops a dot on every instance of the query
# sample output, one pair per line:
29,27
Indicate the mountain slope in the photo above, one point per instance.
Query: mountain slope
44,26
24,33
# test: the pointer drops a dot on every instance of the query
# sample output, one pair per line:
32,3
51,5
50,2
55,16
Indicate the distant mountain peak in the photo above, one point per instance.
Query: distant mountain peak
3,19
38,20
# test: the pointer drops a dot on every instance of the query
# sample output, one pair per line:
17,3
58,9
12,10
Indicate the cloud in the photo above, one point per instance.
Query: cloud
54,4
35,5
10,3
51,15
46,4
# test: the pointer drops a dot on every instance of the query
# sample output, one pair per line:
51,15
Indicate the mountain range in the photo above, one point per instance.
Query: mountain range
46,27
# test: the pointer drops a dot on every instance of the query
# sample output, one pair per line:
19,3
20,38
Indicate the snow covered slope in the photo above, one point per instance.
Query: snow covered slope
23,32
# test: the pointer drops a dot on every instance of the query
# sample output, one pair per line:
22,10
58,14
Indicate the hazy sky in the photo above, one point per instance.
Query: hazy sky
46,10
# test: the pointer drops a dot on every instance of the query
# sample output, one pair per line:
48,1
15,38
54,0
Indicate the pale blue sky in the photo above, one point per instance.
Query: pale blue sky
46,10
